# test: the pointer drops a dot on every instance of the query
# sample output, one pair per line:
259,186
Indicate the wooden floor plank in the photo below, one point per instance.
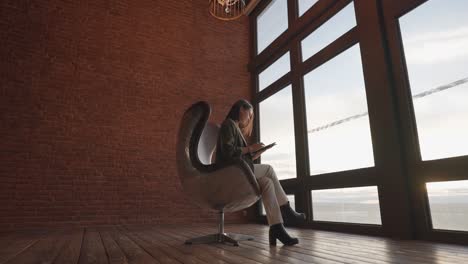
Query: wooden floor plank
355,249
13,243
262,256
383,243
342,255
113,251
152,249
45,250
164,234
226,255
283,252
389,247
165,244
174,251
210,251
134,253
70,253
92,249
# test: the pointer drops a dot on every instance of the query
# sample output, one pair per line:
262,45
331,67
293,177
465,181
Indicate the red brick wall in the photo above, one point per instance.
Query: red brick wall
91,94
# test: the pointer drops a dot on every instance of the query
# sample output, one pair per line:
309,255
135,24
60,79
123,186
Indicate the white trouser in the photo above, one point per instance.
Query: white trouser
273,195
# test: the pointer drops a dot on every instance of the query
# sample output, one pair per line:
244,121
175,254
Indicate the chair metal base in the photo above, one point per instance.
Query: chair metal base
220,238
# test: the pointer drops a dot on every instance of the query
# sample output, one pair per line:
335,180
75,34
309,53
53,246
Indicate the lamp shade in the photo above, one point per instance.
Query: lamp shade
227,9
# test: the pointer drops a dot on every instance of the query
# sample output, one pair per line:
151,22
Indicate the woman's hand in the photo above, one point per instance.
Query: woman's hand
256,156
256,146
252,148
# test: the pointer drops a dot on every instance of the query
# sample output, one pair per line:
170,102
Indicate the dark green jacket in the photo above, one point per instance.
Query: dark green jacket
230,142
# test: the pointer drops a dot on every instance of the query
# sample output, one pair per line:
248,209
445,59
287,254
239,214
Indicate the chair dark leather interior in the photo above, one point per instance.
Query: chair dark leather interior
222,188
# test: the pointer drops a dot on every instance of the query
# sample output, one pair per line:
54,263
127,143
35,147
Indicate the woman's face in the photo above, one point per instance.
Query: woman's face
245,117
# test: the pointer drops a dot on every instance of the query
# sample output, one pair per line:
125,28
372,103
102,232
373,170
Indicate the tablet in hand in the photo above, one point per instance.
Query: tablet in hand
264,148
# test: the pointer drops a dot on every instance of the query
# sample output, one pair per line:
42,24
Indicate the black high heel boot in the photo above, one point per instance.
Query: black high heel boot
290,216
278,232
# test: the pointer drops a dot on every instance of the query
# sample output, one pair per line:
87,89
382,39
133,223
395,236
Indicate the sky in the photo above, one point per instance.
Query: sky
435,41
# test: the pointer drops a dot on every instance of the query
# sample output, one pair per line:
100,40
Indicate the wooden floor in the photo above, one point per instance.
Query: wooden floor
165,244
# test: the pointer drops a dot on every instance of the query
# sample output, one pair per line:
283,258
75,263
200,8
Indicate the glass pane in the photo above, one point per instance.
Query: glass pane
328,32
271,23
305,5
291,202
350,205
278,109
275,71
435,39
337,121
448,203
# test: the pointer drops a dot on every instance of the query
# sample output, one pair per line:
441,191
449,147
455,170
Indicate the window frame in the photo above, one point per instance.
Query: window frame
421,172
290,40
398,173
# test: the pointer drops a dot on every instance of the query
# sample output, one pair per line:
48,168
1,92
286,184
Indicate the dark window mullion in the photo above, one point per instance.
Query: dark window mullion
342,179
292,12
273,88
397,212
303,201
332,50
300,28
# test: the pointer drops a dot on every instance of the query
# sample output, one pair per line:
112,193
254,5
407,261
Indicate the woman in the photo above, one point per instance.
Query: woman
232,144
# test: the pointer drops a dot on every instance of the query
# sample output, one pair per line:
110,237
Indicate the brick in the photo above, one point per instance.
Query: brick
91,95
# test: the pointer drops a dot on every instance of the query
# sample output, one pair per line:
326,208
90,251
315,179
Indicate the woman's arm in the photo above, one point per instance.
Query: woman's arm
258,154
227,135
228,148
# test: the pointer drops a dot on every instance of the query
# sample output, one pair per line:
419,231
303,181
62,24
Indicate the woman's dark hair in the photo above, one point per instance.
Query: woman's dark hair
235,109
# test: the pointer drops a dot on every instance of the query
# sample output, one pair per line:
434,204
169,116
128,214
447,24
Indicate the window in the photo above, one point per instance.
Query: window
328,32
305,5
351,205
448,202
337,121
277,125
342,60
271,23
435,40
274,71
291,202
